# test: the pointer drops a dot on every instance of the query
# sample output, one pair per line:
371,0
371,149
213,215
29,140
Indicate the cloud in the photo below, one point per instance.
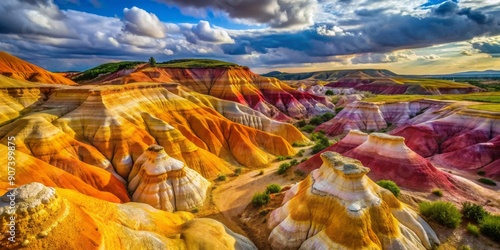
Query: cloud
489,45
275,13
139,22
202,31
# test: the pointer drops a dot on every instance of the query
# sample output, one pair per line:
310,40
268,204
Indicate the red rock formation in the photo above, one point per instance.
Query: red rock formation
388,158
16,68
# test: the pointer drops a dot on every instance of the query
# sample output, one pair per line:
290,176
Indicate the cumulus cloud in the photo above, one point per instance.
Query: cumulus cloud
275,13
202,31
399,56
139,22
489,45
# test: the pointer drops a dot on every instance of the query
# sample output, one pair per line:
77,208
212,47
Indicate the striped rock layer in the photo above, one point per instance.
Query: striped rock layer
451,135
48,218
269,96
96,134
338,207
166,183
388,158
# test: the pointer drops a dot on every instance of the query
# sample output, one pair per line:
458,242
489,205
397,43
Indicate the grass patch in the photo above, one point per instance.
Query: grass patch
437,192
474,212
283,168
390,185
197,63
487,181
444,213
260,199
105,69
490,227
294,162
280,158
273,188
473,229
221,177
237,171
308,128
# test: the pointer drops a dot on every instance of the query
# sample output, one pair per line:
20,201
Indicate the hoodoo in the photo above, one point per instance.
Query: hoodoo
166,183
338,207
48,218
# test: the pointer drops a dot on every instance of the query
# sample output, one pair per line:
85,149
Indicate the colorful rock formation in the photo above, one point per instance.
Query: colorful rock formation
242,114
338,207
16,68
166,183
48,218
388,158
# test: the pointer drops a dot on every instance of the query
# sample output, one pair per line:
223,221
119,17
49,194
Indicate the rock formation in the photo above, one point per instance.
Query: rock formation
338,207
269,96
166,183
242,114
48,218
16,68
388,158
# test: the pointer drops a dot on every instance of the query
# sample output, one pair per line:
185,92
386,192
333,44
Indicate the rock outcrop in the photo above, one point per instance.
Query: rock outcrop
166,183
388,158
338,207
48,218
19,69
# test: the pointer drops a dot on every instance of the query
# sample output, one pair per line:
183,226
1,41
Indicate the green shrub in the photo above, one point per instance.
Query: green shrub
444,213
487,181
322,142
195,210
338,109
316,121
490,227
288,157
299,154
308,128
391,186
304,159
329,92
296,144
437,192
327,116
280,158
273,188
481,173
237,171
474,211
301,123
260,199
283,168
221,177
294,162
472,229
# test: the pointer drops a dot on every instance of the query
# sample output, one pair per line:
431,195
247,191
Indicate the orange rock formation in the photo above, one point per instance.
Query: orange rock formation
48,218
16,68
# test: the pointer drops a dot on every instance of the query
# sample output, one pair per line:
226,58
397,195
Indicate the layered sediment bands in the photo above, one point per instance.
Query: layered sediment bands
464,139
353,139
389,158
29,169
269,96
338,207
244,115
48,218
166,183
16,68
357,115
35,135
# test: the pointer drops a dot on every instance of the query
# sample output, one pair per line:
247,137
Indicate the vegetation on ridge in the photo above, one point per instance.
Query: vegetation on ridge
197,63
105,69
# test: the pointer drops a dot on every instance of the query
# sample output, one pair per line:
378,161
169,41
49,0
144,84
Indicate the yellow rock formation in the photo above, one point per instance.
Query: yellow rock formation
338,207
48,218
166,183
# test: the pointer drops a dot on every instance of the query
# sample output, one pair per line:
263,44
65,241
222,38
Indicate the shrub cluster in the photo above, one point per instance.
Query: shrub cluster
444,213
273,188
260,199
283,168
490,227
474,212
391,186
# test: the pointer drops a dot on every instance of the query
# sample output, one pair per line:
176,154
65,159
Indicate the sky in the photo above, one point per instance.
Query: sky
405,36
